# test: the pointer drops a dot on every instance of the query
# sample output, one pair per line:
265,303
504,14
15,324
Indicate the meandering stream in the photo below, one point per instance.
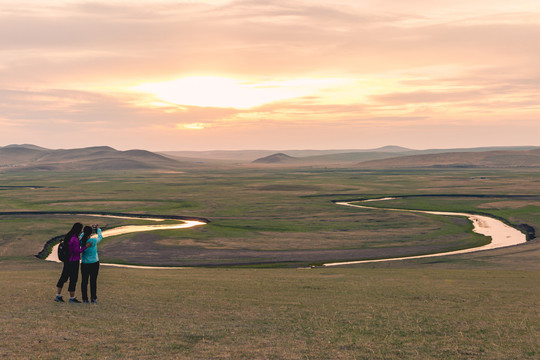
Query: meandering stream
501,234
184,224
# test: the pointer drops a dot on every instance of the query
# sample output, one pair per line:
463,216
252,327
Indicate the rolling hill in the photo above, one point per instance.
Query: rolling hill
278,158
480,159
337,159
252,155
29,157
13,155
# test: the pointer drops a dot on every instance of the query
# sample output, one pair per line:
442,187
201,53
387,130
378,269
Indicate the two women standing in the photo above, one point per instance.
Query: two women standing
77,244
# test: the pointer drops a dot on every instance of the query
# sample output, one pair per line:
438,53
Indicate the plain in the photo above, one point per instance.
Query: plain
481,306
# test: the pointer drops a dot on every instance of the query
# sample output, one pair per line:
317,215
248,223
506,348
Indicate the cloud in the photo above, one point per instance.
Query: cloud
64,64
428,97
83,109
192,126
273,38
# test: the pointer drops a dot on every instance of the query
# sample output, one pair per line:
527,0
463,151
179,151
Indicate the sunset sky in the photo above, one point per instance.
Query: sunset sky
254,74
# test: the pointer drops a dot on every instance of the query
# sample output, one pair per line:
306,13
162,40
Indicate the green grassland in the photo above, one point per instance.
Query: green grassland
474,306
258,214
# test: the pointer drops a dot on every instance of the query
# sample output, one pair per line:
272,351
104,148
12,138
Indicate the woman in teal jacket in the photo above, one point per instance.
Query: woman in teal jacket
90,263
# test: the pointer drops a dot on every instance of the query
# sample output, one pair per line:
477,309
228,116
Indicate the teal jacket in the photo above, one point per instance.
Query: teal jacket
90,254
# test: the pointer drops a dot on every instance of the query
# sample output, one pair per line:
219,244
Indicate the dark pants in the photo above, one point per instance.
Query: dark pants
89,271
71,271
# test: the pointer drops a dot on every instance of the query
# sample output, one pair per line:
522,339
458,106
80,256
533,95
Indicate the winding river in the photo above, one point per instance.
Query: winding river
501,234
183,224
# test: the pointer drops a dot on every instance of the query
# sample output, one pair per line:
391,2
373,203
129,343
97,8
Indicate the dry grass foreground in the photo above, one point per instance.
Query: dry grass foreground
424,312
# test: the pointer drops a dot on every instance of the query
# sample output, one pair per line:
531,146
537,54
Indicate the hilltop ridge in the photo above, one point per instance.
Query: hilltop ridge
274,159
29,157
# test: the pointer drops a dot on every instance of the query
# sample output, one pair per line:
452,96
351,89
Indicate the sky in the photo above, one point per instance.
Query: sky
252,74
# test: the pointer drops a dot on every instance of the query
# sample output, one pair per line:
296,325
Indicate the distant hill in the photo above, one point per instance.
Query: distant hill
31,157
458,159
231,155
278,158
24,157
251,155
476,149
338,159
19,155
310,156
26,146
396,157
347,158
391,148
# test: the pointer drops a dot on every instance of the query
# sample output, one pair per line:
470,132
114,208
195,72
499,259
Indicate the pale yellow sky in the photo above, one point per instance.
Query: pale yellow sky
225,74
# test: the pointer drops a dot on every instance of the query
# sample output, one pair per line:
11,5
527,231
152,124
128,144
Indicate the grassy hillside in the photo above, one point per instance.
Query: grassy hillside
276,159
28,158
10,156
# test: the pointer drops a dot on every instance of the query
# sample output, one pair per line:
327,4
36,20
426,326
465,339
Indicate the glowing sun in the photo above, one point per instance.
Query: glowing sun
223,92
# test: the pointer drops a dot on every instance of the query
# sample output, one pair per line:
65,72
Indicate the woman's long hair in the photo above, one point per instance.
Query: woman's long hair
87,232
75,230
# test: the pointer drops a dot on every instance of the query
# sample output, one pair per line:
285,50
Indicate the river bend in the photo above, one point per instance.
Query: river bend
502,235
183,224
